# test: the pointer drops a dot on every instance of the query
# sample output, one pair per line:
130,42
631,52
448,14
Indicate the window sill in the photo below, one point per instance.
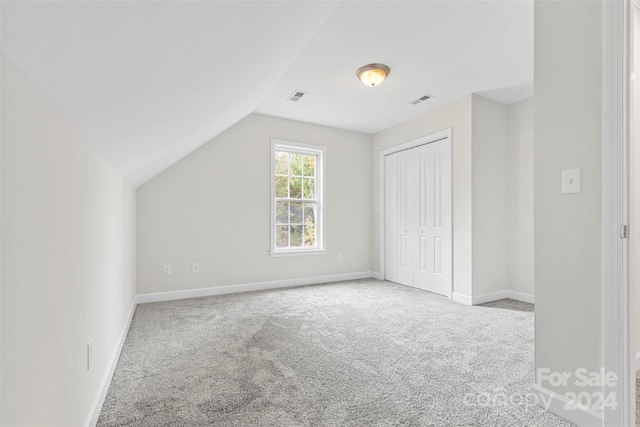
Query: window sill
297,253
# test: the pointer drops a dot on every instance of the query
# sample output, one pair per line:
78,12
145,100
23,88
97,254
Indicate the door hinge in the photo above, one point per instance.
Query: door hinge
623,231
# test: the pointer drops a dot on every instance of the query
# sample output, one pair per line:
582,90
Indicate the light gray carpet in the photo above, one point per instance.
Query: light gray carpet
637,398
361,353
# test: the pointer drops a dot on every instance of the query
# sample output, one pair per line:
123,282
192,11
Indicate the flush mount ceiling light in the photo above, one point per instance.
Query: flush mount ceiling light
373,74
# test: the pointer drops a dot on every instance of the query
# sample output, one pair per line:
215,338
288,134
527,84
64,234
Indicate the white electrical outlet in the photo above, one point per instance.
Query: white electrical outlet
167,270
195,268
89,355
339,258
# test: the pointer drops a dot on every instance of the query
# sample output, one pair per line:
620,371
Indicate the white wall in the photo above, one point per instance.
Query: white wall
68,261
568,228
213,207
520,189
455,115
490,201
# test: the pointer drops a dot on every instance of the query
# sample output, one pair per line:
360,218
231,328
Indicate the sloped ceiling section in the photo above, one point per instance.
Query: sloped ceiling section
149,81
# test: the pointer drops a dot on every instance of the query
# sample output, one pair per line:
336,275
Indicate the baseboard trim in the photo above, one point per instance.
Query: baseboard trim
638,361
249,287
96,407
521,296
565,408
492,296
495,296
376,275
461,298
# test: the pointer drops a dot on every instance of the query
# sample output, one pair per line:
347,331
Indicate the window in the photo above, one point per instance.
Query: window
296,195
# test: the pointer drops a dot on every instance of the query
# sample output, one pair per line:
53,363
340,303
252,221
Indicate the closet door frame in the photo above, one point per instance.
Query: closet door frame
437,136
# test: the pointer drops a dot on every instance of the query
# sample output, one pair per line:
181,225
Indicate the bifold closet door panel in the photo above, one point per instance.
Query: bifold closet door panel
406,216
391,217
423,177
440,232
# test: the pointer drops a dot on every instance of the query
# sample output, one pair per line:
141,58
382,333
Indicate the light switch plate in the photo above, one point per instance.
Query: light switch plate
571,182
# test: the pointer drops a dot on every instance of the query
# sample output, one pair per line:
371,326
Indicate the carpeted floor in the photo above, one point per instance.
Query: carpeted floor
361,353
637,398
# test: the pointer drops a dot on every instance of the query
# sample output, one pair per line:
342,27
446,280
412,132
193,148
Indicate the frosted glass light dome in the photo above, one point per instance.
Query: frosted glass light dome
373,74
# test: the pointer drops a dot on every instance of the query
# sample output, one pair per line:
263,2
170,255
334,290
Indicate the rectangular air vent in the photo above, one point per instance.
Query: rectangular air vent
421,99
296,95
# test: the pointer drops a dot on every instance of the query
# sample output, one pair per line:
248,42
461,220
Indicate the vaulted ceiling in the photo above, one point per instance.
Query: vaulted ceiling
147,82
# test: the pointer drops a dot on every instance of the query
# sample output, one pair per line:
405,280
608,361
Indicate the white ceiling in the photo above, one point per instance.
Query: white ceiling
447,49
148,82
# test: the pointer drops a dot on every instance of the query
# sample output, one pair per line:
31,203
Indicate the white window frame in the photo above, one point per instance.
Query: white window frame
321,152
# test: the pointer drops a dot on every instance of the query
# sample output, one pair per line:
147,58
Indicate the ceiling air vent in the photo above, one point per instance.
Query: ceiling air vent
421,99
296,95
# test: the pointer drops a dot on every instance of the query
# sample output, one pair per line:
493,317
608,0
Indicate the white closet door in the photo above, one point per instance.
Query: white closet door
418,224
441,223
391,217
423,177
406,216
